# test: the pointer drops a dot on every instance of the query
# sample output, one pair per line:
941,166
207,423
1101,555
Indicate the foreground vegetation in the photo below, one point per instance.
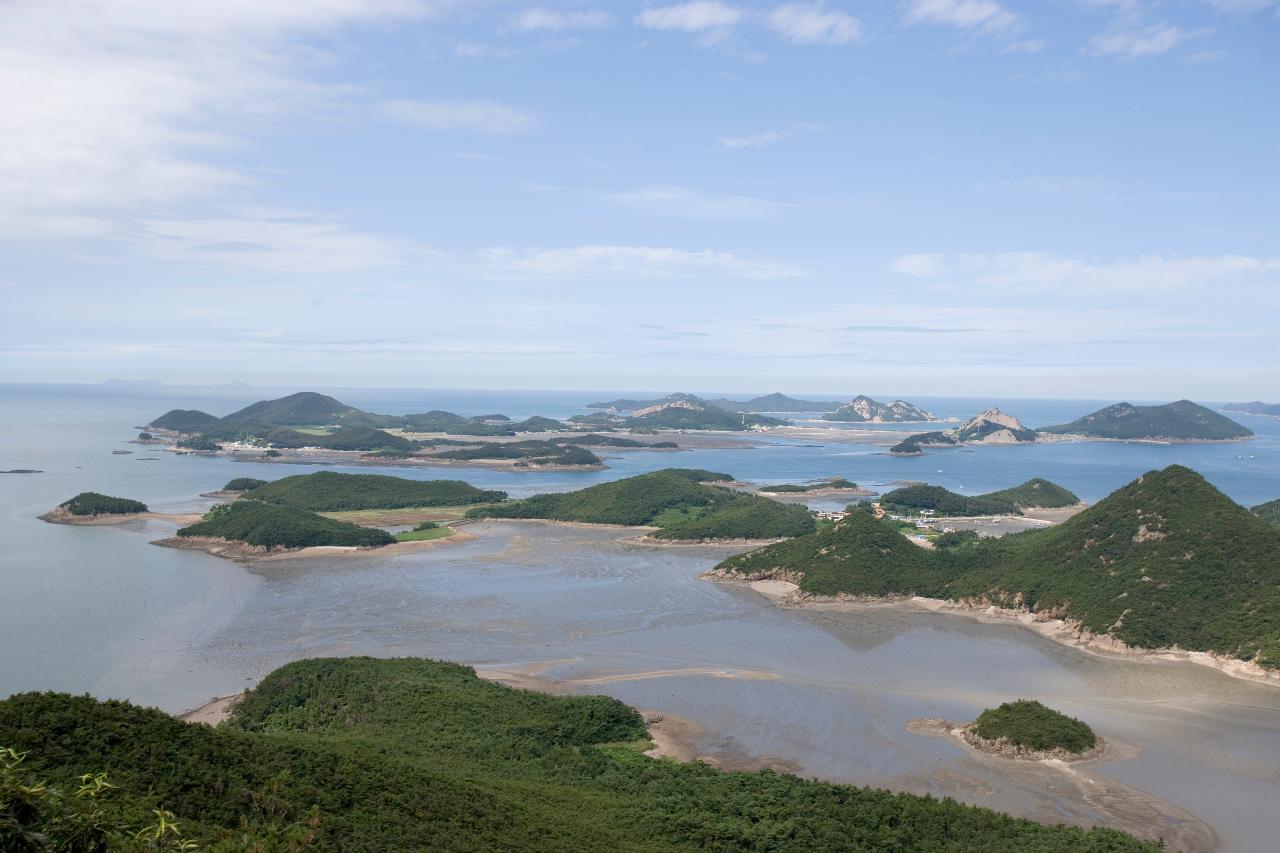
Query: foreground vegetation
329,491
378,755
680,501
1165,561
95,503
1027,724
1036,493
271,526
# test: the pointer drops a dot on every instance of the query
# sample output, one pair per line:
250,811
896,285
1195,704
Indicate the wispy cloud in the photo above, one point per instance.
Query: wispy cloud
766,138
698,16
986,16
538,18
479,116
694,204
1142,41
813,23
604,262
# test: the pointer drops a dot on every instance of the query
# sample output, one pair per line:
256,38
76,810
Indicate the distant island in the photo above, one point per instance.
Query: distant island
866,410
777,403
1255,408
1179,421
990,427
412,754
1036,493
1166,562
696,414
684,504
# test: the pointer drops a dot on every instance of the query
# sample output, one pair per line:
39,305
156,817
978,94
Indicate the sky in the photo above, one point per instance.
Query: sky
1065,198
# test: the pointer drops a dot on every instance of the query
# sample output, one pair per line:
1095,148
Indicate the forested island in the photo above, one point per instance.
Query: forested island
410,754
685,504
94,503
1028,728
1167,561
1178,421
1257,407
1036,493
271,526
329,491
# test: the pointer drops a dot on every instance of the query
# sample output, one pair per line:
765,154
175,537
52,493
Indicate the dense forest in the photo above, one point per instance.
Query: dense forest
680,501
1269,511
1028,724
95,503
271,526
379,755
330,491
1167,560
1033,494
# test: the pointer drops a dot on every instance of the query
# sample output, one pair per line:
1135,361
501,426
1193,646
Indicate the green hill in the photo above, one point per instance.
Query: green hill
1028,724
1269,511
183,420
330,491
776,402
679,501
95,503
243,484
306,408
390,755
272,526
1168,560
1180,421
1035,493
705,417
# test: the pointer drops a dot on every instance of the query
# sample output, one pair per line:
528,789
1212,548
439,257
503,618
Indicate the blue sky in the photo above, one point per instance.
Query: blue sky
1063,198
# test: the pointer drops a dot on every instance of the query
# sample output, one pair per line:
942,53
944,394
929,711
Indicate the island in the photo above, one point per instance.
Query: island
778,404
814,488
1022,729
94,507
695,414
1036,493
683,504
243,484
412,754
990,427
1166,564
1181,421
866,410
1257,407
330,491
249,528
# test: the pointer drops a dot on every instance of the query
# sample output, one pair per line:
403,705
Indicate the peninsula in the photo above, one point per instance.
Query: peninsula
1166,562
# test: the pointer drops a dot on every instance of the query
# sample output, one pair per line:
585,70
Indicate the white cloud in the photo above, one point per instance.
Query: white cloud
755,140
692,204
272,240
1144,41
538,18
811,23
482,116
1148,273
693,17
112,107
979,15
604,262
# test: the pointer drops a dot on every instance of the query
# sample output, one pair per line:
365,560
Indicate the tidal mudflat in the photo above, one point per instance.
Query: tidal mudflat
750,685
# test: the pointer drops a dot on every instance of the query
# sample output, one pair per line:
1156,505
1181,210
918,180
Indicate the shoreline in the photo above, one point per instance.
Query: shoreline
241,552
58,515
784,590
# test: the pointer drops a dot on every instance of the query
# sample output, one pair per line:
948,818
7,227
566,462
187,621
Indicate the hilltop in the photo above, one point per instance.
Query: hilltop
990,427
329,491
1036,493
407,754
866,410
1166,561
682,502
776,402
183,420
1179,421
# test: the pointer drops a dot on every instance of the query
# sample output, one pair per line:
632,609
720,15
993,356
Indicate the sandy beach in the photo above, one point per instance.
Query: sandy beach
244,553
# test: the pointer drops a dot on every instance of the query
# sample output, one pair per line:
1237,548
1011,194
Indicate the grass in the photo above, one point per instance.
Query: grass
394,517
424,535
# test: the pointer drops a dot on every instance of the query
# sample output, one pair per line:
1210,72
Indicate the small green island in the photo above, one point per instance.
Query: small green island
92,504
243,484
412,754
685,504
1036,493
1166,562
1029,729
330,491
834,484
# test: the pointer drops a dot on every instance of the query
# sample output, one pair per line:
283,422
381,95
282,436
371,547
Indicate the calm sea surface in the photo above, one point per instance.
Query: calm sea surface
100,610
